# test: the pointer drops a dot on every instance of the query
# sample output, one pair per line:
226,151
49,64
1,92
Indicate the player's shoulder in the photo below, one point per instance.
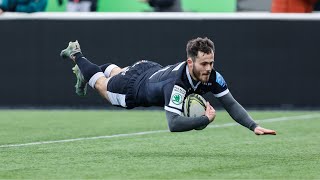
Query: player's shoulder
176,71
179,72
175,75
179,66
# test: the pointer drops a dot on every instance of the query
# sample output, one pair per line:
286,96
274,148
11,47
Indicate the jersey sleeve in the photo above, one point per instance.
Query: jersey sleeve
174,96
220,86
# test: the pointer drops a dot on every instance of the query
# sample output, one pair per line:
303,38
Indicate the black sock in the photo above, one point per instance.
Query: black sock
87,68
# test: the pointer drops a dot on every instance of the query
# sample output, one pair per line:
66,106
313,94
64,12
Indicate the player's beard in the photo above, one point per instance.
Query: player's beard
199,76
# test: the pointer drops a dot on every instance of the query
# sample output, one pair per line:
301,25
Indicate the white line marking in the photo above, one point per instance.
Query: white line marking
300,117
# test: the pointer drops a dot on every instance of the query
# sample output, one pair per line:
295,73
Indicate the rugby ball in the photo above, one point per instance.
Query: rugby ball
194,106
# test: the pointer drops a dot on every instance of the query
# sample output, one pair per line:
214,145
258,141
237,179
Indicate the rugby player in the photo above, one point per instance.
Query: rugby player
147,83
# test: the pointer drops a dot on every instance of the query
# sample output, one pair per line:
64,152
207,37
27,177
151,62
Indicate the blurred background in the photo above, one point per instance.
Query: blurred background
267,50
138,6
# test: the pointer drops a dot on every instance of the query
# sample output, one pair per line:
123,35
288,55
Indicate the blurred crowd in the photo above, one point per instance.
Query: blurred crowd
275,6
80,5
22,5
279,6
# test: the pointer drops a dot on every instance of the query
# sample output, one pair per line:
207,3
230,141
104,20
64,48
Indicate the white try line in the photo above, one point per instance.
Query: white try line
301,117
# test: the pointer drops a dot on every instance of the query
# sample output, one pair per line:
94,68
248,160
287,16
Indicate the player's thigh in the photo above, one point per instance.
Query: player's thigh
101,86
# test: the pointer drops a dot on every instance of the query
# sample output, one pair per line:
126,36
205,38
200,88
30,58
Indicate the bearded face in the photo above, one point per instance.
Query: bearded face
201,67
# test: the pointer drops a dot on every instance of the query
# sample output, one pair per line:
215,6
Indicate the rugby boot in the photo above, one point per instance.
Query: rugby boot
73,48
81,85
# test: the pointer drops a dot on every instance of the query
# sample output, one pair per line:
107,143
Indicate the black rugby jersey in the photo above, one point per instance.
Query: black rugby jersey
169,86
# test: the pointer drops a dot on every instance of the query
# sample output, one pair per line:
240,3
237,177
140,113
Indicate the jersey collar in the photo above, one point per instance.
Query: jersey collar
194,87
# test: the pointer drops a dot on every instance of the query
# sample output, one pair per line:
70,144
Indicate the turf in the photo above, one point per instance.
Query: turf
230,152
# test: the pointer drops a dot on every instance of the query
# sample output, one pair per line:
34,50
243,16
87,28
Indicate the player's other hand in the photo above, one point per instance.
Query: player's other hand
262,131
210,112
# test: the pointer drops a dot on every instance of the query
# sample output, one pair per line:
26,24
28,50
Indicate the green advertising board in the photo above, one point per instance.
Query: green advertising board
138,6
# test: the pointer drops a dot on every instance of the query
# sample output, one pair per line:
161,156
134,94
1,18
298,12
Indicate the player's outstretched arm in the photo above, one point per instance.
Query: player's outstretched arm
240,115
237,112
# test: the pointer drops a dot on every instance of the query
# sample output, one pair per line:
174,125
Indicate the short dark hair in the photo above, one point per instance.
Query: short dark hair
199,44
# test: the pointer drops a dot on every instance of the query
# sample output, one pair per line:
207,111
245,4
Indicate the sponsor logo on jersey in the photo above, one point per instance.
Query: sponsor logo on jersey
177,97
220,80
207,84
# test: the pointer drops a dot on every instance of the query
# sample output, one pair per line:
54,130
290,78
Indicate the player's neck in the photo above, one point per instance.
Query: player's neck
193,78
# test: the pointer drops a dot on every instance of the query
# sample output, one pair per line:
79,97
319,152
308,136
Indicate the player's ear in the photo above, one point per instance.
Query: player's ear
189,62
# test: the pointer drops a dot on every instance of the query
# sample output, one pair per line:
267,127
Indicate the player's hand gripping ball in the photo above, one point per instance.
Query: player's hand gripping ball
194,106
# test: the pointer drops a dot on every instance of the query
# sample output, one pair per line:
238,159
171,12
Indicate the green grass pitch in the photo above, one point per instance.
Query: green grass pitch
222,151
